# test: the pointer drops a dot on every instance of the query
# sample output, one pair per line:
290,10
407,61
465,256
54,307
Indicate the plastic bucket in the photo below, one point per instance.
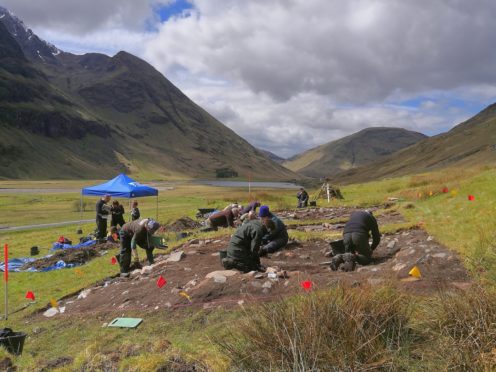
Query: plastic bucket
15,343
313,203
337,246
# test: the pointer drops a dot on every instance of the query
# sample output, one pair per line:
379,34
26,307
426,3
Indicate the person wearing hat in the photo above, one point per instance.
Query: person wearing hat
302,197
102,214
277,237
223,218
132,234
243,251
356,234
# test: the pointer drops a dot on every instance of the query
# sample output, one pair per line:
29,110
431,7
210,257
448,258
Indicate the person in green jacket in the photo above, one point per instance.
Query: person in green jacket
243,250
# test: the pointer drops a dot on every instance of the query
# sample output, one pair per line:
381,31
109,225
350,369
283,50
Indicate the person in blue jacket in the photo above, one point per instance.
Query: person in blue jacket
277,238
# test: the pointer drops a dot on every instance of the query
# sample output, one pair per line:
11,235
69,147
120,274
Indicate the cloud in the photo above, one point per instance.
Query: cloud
354,51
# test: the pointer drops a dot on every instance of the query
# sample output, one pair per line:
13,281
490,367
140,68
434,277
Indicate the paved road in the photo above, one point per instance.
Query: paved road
43,225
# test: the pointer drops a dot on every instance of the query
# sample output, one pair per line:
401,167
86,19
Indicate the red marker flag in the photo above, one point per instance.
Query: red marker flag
306,285
471,198
161,281
6,262
113,260
445,190
30,296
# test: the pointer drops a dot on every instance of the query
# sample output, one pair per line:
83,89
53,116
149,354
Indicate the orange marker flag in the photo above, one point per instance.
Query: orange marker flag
30,296
430,193
161,281
471,198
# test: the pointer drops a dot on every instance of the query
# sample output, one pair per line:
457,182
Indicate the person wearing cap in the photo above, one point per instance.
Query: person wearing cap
243,251
132,234
356,234
102,214
302,197
277,237
223,218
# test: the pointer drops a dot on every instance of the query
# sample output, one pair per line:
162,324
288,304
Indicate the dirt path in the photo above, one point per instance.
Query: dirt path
188,284
43,225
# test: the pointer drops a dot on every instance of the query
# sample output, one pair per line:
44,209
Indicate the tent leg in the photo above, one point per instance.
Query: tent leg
156,213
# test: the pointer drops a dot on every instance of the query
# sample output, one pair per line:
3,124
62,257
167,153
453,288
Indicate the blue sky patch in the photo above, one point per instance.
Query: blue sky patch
175,8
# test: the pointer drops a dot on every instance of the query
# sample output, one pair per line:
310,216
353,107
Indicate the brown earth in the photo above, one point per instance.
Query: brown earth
187,284
183,223
77,256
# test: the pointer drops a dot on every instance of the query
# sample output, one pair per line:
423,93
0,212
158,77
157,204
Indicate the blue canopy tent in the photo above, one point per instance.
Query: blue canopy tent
121,186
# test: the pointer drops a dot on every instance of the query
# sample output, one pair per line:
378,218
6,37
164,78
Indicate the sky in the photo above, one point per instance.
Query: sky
288,75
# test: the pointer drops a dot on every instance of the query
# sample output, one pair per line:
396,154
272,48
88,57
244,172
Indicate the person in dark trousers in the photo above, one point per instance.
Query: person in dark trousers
102,213
243,250
356,236
135,212
302,197
117,214
277,237
223,218
133,234
248,212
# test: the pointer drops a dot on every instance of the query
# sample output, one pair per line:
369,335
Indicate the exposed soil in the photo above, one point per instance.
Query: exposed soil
184,223
76,256
187,283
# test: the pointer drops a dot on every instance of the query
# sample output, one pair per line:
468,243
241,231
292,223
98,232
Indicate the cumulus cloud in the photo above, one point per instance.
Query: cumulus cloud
288,75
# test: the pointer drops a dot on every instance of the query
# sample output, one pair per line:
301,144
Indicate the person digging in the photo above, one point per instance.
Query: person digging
133,234
277,237
356,234
243,251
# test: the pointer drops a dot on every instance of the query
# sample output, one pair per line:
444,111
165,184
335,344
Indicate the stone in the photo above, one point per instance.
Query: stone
305,257
440,255
135,273
216,254
399,267
208,241
217,241
375,281
220,279
328,254
51,312
430,238
146,270
259,276
251,273
256,284
282,274
272,275
241,302
176,290
158,265
84,294
191,283
267,284
271,270
226,273
194,241
464,286
176,256
290,254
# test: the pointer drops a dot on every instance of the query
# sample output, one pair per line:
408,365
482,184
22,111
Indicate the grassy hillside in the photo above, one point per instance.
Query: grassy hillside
91,116
469,144
352,151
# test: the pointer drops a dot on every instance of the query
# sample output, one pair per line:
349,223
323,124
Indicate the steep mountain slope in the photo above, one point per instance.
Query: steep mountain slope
97,115
472,142
352,151
273,156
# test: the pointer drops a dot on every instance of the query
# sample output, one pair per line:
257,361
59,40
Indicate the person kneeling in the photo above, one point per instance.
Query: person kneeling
243,250
277,237
132,234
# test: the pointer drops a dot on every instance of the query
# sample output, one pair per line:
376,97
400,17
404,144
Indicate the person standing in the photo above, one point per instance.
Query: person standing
135,212
117,214
102,214
133,234
277,237
302,197
356,236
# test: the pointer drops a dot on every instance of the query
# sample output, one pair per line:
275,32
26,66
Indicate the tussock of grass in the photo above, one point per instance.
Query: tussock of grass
339,329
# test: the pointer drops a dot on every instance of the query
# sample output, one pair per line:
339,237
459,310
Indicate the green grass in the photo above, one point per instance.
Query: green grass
464,226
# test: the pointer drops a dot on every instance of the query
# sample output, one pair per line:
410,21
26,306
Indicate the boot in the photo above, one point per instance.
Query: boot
228,263
336,261
349,263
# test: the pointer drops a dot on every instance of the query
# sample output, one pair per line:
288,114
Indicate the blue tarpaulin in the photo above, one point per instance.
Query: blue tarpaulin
121,186
15,265
57,245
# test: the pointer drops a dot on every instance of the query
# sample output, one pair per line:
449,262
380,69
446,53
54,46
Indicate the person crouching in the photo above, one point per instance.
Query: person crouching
133,234
277,237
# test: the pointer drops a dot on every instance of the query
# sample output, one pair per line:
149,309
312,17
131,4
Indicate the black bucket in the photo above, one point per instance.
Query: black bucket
35,250
14,343
313,203
337,246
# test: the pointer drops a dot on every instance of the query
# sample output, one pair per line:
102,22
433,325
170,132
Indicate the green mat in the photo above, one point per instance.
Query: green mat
125,322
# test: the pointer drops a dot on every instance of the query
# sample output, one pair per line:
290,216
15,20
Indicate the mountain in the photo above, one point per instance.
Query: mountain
272,156
352,151
470,143
90,116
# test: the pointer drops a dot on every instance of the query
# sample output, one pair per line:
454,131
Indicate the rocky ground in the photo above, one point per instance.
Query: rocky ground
195,277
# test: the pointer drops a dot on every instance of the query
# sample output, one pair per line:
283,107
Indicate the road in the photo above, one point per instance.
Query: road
43,225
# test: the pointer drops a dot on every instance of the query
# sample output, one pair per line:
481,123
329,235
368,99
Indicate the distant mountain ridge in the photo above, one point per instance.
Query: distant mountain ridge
352,151
91,116
470,143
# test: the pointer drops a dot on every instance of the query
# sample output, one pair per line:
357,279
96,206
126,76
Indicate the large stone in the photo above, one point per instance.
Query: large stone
399,267
146,270
220,279
176,256
84,294
51,312
226,273
440,255
135,273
